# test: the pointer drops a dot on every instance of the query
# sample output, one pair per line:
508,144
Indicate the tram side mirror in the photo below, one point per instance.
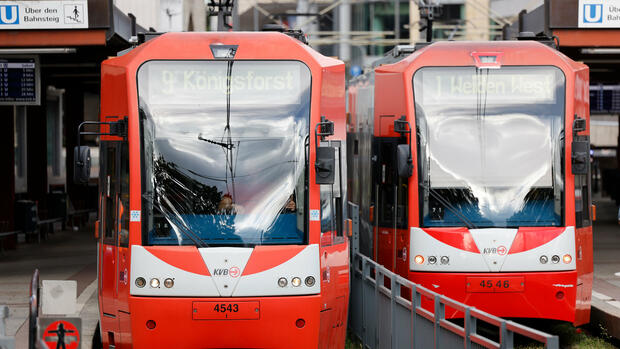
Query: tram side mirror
580,157
404,162
401,126
326,128
325,164
81,165
579,124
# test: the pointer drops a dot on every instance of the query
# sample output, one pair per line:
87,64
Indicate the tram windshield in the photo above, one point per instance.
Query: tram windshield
225,152
490,145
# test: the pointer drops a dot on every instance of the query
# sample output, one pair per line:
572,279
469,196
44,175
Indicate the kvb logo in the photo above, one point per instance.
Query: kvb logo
501,250
232,272
220,272
9,14
593,13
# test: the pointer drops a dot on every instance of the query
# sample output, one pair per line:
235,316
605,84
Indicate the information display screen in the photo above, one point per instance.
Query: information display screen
19,81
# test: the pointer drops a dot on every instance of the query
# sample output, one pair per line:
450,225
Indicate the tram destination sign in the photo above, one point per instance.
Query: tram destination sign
496,87
197,82
20,81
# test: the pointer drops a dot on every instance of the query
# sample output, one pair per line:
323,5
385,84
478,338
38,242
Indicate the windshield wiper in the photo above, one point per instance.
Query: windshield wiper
450,207
182,227
227,145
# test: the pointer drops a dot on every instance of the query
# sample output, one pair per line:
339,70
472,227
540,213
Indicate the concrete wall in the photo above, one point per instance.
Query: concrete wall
146,11
166,15
477,20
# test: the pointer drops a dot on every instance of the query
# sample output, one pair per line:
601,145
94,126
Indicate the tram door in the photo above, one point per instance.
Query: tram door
109,188
392,232
333,248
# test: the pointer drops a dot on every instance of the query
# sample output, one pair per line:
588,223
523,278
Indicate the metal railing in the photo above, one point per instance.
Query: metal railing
383,315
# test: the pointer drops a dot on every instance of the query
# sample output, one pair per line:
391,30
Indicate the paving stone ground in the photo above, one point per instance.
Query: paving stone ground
65,255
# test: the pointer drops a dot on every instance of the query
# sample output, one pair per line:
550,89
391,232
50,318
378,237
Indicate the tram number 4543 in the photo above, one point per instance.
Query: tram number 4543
226,308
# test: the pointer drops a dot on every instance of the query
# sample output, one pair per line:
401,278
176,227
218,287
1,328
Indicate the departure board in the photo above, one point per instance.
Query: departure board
19,81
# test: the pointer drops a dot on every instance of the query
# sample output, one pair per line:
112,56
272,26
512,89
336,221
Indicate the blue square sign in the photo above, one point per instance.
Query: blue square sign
9,14
593,13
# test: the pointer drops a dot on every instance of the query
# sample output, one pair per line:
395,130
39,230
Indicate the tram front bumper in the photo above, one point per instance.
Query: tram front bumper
547,295
261,322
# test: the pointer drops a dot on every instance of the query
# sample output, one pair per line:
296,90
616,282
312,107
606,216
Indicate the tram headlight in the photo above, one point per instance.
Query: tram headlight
282,282
154,282
418,259
296,282
168,282
432,260
310,281
567,258
140,282
543,259
555,259
444,259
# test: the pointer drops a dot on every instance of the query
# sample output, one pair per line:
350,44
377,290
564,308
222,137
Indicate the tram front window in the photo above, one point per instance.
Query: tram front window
490,145
224,152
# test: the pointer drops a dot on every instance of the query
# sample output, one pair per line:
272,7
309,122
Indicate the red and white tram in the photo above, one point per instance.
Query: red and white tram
470,163
213,231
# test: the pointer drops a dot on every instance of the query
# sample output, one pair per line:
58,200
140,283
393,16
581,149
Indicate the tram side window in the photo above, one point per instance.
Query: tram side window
582,201
331,202
386,183
392,206
337,192
124,197
402,203
110,193
326,209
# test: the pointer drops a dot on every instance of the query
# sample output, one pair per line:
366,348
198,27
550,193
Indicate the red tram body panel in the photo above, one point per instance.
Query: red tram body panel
213,232
497,211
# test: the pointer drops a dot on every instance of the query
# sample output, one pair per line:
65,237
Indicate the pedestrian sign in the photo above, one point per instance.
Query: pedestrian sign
60,333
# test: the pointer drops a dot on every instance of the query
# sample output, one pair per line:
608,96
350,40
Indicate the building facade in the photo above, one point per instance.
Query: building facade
50,57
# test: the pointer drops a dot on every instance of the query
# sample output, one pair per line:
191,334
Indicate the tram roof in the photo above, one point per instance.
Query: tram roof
197,45
459,53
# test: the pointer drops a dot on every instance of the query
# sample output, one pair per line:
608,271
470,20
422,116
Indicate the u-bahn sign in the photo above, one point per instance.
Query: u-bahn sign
49,14
599,14
61,332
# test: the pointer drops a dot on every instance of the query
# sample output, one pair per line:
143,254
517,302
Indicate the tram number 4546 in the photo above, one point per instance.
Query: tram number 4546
226,308
496,284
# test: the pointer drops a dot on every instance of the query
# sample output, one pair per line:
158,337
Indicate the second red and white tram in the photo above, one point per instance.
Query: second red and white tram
470,163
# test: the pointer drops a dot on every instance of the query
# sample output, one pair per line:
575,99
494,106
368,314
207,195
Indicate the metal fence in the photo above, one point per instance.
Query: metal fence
382,317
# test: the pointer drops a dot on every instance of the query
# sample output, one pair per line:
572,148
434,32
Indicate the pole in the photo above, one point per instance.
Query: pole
220,20
429,27
414,22
255,10
235,16
344,16
397,19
